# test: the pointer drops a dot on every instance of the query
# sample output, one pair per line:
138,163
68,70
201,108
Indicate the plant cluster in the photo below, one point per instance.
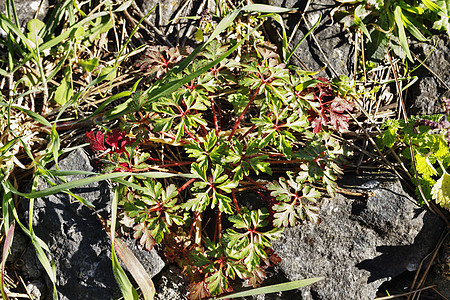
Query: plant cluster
232,128
385,23
427,140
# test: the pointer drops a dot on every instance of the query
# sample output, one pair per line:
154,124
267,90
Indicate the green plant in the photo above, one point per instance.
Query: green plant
427,152
231,120
229,117
389,20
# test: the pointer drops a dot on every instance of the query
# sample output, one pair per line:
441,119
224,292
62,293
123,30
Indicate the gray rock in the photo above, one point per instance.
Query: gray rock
336,44
27,10
77,241
425,96
170,284
360,243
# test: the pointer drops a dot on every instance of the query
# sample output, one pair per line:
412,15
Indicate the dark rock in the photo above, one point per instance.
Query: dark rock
77,241
360,243
425,95
440,272
336,45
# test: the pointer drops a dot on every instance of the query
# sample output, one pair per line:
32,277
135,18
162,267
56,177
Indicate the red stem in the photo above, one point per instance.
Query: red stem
193,225
243,113
247,132
174,164
184,186
190,134
218,226
216,125
235,202
292,161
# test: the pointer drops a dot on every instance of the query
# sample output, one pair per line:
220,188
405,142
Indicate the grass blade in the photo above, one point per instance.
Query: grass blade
124,283
136,269
401,32
38,244
304,37
360,23
274,288
6,247
85,181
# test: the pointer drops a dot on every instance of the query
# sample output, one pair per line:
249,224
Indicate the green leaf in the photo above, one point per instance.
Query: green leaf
401,31
109,72
65,91
444,22
423,165
376,50
441,191
89,65
217,283
432,6
388,138
285,215
360,23
413,28
273,288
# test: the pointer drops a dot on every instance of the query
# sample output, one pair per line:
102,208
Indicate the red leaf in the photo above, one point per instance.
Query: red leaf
96,140
118,140
257,277
198,291
317,124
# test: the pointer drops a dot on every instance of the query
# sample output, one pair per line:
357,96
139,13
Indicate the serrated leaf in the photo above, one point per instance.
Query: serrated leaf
217,283
144,236
441,191
285,215
424,166
388,138
444,22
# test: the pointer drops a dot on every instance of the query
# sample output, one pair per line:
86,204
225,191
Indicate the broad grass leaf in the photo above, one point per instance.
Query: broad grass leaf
274,288
89,65
127,289
401,31
64,92
432,6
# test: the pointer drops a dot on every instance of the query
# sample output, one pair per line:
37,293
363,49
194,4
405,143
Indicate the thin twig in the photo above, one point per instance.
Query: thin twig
404,294
433,257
